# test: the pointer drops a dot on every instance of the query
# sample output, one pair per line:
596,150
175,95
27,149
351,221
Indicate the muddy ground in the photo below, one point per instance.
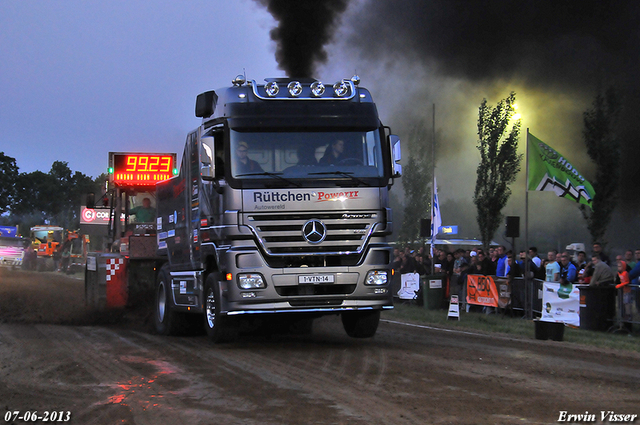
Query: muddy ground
110,369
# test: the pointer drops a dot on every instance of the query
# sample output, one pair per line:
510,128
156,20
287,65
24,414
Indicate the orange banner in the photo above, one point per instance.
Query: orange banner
481,290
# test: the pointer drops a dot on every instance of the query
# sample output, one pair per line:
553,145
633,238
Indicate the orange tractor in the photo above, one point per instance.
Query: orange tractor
59,249
45,240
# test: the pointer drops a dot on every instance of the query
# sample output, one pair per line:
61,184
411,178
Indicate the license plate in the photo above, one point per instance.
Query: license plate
317,278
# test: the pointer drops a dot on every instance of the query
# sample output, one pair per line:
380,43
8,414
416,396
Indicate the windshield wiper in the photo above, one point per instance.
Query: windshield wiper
343,174
267,173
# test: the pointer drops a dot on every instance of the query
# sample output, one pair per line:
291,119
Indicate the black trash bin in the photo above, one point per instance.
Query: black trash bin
597,307
433,287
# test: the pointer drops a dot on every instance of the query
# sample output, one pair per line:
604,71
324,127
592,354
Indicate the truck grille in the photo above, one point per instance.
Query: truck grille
315,290
282,234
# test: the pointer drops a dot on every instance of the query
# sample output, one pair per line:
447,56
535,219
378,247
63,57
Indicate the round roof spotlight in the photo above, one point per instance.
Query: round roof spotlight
317,88
239,80
341,88
272,88
355,79
295,88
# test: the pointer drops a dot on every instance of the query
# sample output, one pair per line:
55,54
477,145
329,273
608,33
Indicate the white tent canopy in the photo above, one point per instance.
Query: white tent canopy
461,242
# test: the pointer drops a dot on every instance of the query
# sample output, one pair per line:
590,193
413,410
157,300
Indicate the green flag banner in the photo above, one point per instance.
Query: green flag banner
548,170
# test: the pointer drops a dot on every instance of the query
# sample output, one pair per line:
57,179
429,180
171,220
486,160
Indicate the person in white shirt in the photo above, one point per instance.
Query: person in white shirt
533,253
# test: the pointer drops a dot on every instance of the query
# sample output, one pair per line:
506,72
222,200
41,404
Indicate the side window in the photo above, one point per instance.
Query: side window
212,155
194,162
218,137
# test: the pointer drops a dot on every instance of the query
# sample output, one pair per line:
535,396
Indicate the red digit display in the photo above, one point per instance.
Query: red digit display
137,169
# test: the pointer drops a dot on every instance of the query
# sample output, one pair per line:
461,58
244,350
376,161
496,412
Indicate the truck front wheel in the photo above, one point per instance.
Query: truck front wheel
220,328
167,320
361,324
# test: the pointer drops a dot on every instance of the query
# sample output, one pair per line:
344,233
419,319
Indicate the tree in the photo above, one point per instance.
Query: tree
53,197
62,205
603,147
416,181
33,195
499,164
8,176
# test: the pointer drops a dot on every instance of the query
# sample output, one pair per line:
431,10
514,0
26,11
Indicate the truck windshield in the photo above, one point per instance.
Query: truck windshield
351,155
45,236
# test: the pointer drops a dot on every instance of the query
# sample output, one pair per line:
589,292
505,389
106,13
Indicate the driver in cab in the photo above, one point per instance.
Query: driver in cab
144,213
333,154
244,164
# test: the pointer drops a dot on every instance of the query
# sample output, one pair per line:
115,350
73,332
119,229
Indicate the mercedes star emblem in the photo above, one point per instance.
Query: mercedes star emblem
314,231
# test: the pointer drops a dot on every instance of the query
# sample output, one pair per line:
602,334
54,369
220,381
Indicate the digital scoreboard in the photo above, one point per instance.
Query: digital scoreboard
141,169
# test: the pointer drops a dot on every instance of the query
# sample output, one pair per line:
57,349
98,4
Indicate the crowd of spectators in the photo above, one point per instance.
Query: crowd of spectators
564,267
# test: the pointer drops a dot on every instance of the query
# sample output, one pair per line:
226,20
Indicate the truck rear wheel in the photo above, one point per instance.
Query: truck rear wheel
167,320
220,328
361,324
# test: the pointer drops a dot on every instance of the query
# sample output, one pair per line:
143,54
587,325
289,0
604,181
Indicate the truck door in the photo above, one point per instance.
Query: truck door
194,200
174,199
211,147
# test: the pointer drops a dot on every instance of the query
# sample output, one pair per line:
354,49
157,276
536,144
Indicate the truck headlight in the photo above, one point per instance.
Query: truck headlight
251,281
376,278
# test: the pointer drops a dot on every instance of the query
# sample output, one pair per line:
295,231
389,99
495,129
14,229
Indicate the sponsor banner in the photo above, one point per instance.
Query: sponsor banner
96,216
448,230
560,303
482,290
9,231
265,200
410,285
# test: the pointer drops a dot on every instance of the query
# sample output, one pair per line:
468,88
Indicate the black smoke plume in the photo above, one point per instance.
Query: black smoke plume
546,42
304,28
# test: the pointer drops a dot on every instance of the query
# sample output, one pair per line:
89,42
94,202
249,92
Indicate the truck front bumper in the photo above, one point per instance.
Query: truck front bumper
323,290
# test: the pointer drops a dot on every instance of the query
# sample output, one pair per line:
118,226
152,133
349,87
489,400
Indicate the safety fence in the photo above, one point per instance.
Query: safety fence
597,308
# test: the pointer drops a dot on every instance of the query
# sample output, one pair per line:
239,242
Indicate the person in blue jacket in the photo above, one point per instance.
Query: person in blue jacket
633,277
568,271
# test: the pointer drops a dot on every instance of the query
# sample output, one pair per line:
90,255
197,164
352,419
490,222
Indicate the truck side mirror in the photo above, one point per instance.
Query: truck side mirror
206,104
396,152
207,163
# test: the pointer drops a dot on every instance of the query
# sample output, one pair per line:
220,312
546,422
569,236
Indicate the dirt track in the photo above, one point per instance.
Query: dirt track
55,357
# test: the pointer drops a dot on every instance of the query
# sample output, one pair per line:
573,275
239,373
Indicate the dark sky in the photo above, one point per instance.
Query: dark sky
80,79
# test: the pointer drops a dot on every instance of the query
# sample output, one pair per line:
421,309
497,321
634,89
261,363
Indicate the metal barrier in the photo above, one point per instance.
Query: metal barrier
526,297
621,320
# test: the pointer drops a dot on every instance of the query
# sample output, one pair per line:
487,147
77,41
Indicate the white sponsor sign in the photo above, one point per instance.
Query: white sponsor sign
560,303
410,284
92,264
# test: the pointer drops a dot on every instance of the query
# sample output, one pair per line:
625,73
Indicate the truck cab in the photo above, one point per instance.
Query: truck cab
280,206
